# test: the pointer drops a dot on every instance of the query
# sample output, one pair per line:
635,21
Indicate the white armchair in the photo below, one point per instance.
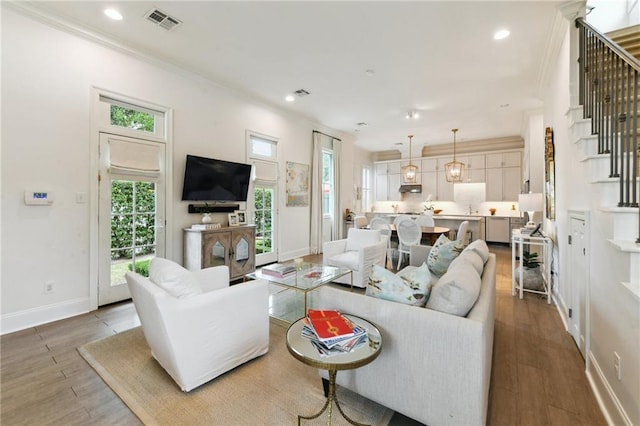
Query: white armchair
196,325
362,249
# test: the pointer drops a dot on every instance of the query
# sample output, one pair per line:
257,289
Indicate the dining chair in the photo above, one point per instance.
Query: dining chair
400,218
384,227
425,220
462,232
360,222
409,234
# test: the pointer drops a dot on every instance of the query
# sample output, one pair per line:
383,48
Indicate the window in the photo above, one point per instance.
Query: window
327,182
261,146
131,120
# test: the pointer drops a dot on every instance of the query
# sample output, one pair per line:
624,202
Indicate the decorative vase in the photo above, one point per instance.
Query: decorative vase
206,218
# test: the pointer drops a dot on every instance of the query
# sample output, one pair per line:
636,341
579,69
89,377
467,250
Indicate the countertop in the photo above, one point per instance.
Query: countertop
516,214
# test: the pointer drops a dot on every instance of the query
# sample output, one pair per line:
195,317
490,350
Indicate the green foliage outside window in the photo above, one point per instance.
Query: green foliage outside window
132,119
263,220
132,203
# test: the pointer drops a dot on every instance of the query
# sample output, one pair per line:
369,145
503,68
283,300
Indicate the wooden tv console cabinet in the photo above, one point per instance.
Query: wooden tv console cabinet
233,246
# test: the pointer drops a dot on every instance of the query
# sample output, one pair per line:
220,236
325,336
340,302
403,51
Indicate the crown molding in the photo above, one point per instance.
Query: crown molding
468,147
474,147
391,154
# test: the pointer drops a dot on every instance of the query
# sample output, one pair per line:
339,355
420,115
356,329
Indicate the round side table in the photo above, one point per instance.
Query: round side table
302,349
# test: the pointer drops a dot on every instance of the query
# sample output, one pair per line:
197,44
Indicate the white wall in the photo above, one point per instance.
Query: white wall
614,322
534,143
47,76
609,15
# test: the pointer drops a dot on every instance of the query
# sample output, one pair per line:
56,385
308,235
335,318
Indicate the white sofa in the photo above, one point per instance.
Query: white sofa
362,249
434,367
198,335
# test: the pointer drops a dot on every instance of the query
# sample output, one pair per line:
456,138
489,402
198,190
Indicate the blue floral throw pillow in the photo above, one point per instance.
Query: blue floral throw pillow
442,254
410,288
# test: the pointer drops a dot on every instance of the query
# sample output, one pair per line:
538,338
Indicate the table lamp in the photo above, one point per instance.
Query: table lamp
530,203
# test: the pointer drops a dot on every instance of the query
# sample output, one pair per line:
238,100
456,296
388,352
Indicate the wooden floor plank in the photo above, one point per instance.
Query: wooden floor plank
537,376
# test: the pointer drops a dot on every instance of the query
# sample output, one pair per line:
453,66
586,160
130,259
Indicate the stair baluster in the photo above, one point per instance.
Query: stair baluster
608,92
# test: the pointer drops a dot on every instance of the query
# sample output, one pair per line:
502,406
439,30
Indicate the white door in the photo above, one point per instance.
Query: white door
265,219
131,211
578,282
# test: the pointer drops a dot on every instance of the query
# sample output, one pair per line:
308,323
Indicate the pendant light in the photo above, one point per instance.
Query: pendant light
454,170
410,172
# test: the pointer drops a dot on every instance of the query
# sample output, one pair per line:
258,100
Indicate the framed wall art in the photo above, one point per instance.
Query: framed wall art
297,184
549,174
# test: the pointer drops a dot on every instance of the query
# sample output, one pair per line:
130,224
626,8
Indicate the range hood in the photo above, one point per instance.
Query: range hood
414,189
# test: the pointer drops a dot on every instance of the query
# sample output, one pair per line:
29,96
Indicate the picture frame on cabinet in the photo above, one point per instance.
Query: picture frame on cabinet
233,219
242,216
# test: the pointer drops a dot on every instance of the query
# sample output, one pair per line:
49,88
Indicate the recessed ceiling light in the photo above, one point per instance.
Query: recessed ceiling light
289,98
113,14
501,34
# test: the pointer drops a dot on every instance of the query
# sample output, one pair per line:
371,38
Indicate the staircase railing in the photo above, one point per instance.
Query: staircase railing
608,92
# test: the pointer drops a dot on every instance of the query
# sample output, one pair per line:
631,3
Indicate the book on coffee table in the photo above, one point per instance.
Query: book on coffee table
279,270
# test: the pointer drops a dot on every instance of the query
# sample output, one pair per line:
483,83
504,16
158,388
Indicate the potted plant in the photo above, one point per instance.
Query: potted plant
531,274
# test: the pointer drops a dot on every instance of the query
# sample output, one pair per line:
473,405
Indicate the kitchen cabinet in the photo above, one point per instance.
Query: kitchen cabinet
434,181
498,229
501,171
503,176
445,189
503,184
474,166
232,246
516,223
503,159
388,181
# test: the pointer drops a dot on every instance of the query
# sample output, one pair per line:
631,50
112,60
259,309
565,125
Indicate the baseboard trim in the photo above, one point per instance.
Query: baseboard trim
562,309
17,321
609,403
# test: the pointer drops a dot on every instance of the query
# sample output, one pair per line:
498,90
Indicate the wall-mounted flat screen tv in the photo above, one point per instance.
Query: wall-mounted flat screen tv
208,179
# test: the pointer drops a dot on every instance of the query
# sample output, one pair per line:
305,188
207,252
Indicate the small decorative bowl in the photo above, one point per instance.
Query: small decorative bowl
437,211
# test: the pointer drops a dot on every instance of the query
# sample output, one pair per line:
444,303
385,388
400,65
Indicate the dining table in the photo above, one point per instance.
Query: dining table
429,233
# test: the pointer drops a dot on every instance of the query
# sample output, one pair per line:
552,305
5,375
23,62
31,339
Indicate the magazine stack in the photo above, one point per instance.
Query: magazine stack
279,270
332,333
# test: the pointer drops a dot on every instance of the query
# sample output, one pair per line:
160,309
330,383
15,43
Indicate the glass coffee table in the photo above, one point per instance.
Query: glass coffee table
307,278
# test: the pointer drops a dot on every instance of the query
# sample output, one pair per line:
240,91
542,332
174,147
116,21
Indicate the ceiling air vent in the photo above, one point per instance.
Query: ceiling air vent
162,19
301,92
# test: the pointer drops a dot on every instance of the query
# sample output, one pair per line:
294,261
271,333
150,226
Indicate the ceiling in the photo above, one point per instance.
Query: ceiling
362,61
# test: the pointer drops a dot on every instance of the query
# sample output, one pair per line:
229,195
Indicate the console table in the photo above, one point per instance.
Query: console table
233,246
545,244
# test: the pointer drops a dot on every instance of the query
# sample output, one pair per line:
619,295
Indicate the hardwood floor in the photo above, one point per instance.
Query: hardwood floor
537,376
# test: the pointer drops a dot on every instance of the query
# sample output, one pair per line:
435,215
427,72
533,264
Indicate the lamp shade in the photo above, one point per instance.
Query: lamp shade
530,202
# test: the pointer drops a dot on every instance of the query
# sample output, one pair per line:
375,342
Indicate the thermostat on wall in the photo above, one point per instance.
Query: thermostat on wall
38,198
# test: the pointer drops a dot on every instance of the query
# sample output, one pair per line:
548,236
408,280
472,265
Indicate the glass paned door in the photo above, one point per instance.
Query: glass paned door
264,219
133,228
131,224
